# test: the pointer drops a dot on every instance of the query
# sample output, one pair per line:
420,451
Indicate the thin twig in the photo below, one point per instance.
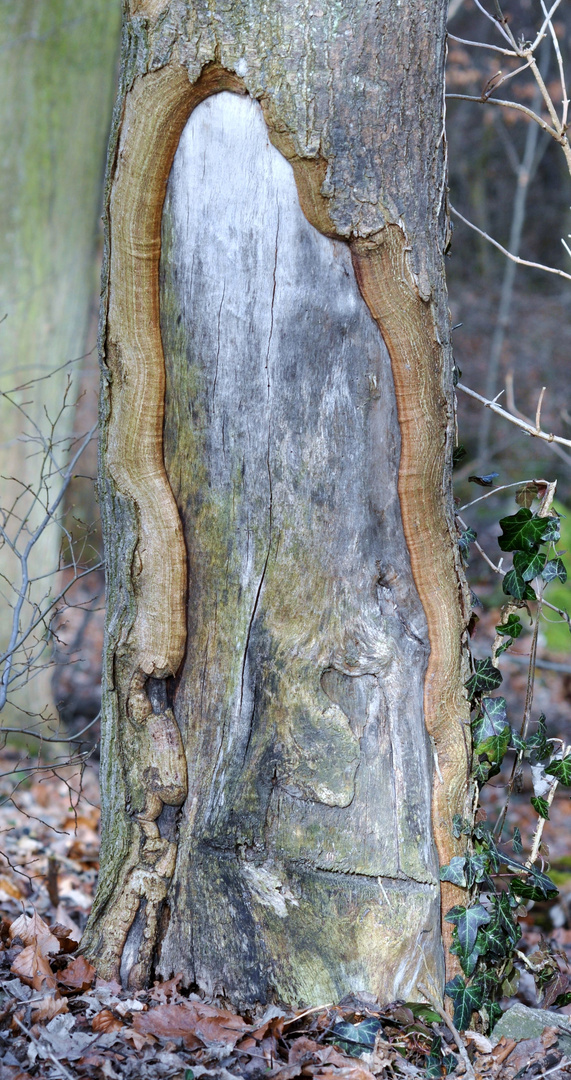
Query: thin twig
557,51
545,24
482,45
454,1031
541,823
508,254
523,424
509,105
538,410
494,491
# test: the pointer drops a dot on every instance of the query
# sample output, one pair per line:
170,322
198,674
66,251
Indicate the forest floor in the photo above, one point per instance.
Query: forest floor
58,1021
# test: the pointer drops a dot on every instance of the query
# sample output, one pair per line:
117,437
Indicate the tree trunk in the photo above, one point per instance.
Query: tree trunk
286,607
57,76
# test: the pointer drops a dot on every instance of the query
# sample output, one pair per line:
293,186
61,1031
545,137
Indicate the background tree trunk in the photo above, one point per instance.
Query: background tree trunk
57,73
271,725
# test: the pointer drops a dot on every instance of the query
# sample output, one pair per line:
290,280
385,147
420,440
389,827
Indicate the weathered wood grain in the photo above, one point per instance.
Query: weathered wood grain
309,765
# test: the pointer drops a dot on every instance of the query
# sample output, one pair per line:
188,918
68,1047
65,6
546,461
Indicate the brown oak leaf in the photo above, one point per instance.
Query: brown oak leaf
105,1021
48,1007
32,965
192,1021
78,975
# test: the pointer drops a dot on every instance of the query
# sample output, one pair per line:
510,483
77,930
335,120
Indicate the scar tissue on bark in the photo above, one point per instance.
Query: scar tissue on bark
156,109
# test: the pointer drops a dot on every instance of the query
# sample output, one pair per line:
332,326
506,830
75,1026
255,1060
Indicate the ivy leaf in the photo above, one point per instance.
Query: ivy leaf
552,531
538,746
541,806
511,628
510,982
481,771
495,747
437,1061
494,1012
522,531
516,842
354,1038
528,565
477,867
502,913
485,678
467,922
466,999
561,770
514,585
466,538
516,740
484,481
492,941
454,871
537,886
492,720
554,568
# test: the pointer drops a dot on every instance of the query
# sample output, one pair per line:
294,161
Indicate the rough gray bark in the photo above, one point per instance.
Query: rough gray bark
266,798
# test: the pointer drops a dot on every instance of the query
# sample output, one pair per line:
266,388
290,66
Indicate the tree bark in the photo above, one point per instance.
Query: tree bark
272,724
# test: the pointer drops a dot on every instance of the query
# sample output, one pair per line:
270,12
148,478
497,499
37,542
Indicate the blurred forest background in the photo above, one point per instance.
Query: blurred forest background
58,69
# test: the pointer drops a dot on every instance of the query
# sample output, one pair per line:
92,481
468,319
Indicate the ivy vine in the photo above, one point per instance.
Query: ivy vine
499,879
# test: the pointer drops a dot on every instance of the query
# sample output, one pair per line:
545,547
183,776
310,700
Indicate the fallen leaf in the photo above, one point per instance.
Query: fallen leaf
349,1072
66,923
139,1040
63,932
164,991
324,1062
98,1061
549,1037
194,1022
303,1048
33,967
32,964
48,1007
32,929
480,1041
503,1049
9,889
78,975
105,1021
112,985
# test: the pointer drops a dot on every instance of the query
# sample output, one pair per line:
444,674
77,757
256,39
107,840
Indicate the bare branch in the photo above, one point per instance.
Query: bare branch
523,424
509,105
545,24
482,45
514,258
557,50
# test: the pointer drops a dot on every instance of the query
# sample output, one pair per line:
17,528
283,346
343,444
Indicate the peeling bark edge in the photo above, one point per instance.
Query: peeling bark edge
155,111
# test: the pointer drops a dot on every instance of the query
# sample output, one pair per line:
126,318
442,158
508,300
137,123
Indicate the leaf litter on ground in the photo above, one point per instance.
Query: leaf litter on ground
59,1021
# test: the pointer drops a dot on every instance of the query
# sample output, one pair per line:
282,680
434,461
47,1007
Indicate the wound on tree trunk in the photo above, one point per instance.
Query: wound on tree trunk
283,655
